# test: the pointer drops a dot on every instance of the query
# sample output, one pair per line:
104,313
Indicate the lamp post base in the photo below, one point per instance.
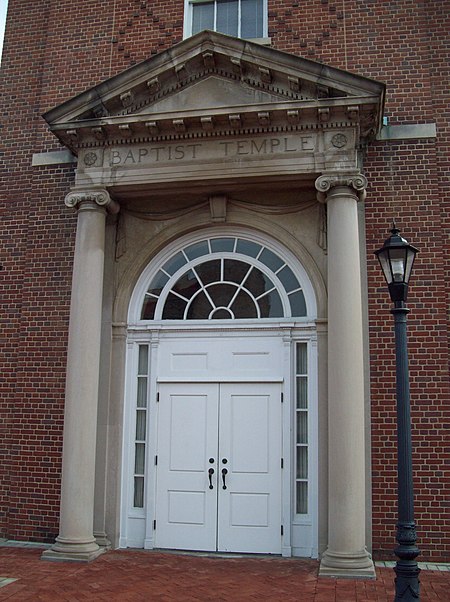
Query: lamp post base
407,583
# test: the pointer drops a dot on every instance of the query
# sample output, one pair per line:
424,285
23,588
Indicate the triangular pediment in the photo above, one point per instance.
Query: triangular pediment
212,92
216,83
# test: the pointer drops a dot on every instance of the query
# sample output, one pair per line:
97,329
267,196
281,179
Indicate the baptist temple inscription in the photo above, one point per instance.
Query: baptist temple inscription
206,159
211,150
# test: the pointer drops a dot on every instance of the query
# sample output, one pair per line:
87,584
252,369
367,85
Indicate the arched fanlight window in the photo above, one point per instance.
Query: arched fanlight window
224,279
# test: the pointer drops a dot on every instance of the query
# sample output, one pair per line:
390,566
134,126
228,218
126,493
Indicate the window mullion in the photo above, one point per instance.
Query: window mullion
213,305
239,19
240,287
179,296
266,293
204,289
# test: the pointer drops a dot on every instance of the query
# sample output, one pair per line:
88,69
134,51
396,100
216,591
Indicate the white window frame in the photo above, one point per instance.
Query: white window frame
187,27
192,264
305,526
134,314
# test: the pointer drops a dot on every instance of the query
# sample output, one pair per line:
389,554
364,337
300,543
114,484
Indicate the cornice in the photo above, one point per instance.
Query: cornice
235,121
296,94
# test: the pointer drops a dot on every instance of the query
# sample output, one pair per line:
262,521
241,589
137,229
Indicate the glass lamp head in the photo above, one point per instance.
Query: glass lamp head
396,258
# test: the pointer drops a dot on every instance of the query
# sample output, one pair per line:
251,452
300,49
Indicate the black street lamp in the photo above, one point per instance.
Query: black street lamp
396,258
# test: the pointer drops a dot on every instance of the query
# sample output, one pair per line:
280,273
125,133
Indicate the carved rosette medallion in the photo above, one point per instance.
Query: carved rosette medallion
339,140
90,159
94,198
326,182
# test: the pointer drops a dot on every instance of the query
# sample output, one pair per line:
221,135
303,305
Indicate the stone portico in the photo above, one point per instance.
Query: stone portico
217,131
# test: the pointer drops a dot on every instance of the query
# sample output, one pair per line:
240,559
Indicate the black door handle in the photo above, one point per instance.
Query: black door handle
224,474
210,474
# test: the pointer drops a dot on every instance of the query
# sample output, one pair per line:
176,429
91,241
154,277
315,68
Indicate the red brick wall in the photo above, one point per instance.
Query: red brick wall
55,49
417,208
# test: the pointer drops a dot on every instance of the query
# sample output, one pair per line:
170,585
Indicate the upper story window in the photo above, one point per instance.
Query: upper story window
240,18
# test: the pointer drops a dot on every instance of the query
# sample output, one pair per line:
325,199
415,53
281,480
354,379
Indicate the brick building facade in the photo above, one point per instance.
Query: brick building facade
127,78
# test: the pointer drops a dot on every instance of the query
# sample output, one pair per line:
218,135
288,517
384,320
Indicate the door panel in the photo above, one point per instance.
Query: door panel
245,425
249,510
188,430
238,507
187,437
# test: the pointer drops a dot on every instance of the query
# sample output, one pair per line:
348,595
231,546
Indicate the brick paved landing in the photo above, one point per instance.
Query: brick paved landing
139,576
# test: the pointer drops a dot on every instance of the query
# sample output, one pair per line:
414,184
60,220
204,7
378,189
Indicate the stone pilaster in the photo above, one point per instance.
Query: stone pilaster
76,540
346,554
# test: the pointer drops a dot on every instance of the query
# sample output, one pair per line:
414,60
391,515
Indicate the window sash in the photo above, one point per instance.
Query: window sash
202,265
249,14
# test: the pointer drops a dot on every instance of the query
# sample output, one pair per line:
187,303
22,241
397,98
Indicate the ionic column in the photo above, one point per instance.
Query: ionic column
346,554
76,540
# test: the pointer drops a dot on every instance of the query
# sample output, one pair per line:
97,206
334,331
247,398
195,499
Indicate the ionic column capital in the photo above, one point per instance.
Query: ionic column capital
93,198
326,182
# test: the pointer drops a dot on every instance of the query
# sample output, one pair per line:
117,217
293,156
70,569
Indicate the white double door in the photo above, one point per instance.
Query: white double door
219,467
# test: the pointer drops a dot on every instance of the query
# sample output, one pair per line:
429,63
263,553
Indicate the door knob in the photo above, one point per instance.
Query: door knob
210,474
224,474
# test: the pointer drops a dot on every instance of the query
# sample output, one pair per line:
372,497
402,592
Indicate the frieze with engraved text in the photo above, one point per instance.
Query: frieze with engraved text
211,150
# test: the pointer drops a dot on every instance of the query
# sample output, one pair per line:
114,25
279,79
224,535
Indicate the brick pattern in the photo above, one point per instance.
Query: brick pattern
418,210
52,53
140,576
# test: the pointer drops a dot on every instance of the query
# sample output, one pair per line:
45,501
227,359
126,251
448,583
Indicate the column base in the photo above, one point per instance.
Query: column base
101,539
345,565
73,551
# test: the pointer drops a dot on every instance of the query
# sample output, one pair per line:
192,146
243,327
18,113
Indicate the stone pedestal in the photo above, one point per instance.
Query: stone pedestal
346,554
76,540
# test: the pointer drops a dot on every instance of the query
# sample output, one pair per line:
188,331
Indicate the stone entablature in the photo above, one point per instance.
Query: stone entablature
265,154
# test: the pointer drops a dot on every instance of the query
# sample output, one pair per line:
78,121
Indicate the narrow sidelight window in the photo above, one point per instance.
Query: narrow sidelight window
301,428
140,440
